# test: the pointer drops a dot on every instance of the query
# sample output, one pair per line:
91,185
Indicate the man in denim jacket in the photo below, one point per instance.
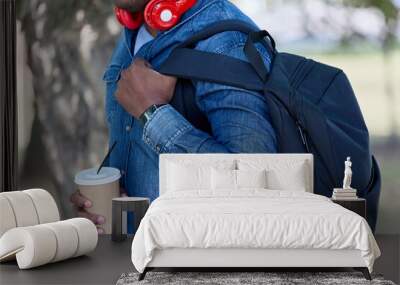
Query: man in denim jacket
239,119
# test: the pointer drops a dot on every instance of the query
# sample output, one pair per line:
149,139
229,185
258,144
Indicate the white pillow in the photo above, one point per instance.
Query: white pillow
183,178
193,174
251,178
291,179
282,174
236,179
223,179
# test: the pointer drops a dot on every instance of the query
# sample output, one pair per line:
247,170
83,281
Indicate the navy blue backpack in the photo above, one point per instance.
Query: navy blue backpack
313,106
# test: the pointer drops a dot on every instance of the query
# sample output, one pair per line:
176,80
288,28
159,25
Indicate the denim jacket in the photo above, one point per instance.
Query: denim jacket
239,118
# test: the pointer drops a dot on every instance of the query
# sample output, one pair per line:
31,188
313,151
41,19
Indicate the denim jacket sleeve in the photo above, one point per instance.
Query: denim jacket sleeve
239,118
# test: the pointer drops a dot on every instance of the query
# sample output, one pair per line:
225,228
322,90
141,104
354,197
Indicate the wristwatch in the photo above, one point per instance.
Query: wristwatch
145,117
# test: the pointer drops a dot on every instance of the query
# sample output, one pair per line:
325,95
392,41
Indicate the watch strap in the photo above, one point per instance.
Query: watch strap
145,117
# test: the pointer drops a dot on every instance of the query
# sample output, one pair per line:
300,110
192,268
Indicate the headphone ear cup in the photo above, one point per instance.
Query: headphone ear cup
152,15
162,15
127,19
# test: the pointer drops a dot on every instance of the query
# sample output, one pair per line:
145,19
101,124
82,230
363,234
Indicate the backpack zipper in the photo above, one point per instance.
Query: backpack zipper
303,136
306,65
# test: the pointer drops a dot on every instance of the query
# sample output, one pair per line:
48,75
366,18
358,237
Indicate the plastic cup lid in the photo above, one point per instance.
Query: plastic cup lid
89,177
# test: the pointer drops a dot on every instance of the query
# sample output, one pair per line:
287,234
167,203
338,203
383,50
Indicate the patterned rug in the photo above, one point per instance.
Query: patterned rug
244,278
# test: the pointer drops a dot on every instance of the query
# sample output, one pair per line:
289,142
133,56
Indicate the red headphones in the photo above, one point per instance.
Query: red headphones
160,15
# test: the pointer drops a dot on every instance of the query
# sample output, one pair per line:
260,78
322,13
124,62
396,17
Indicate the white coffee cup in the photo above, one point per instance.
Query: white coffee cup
100,189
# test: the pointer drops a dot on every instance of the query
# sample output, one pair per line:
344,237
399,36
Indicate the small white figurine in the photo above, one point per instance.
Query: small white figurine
348,173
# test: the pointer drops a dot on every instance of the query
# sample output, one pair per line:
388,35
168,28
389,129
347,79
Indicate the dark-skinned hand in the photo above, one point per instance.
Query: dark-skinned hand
141,87
82,206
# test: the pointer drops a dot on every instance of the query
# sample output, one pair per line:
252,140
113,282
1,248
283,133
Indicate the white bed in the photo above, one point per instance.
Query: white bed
248,227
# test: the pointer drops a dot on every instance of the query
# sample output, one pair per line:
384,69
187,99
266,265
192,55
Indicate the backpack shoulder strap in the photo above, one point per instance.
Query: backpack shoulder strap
198,65
225,26
185,62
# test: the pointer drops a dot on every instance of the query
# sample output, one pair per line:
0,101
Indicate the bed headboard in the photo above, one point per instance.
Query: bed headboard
165,159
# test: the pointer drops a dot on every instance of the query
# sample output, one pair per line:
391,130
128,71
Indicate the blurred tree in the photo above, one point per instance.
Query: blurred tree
68,46
387,7
388,39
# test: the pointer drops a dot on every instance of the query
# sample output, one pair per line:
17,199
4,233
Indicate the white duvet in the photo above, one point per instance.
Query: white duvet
250,219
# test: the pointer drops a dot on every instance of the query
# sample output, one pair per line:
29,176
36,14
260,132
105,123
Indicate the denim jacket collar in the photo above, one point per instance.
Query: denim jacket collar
130,35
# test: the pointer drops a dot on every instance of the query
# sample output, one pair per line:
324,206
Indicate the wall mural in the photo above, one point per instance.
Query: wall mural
64,46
